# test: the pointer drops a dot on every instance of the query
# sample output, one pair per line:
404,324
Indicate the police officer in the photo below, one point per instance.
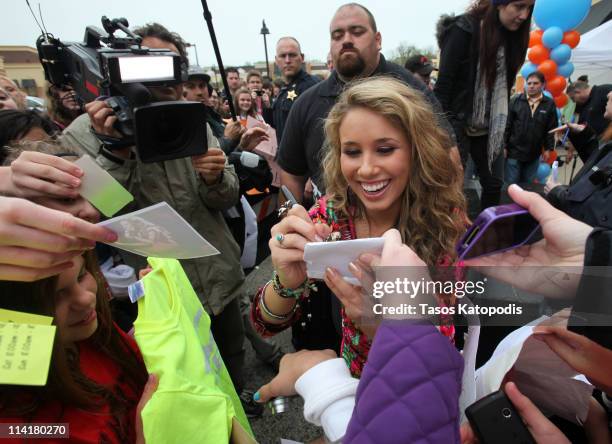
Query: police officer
289,59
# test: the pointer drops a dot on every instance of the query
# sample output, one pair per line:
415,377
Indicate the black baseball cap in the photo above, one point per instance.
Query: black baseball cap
419,64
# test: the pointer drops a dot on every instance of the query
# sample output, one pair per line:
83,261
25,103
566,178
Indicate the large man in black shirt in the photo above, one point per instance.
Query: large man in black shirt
355,49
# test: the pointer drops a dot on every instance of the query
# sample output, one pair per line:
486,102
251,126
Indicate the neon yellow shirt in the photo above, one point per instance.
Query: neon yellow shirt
195,400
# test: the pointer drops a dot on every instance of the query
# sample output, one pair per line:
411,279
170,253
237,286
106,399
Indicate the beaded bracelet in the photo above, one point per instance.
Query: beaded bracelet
266,310
291,293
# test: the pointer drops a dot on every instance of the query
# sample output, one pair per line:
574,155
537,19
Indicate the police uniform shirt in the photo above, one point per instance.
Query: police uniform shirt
287,96
303,136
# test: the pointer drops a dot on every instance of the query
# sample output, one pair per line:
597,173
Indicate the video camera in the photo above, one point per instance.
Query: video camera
121,70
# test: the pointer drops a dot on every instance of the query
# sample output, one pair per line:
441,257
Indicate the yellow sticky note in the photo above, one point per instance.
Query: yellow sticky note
24,318
25,353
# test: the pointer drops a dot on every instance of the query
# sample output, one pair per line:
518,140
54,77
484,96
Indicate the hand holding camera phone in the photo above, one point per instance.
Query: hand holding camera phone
498,229
496,421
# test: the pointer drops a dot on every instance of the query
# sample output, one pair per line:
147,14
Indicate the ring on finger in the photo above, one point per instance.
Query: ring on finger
284,209
280,238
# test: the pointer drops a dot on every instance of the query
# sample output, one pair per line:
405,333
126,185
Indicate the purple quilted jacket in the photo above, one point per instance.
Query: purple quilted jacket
409,389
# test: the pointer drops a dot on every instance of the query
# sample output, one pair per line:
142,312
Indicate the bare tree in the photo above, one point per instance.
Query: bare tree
404,51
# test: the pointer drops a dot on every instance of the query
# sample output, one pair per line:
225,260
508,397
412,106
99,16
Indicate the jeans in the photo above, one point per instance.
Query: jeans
521,172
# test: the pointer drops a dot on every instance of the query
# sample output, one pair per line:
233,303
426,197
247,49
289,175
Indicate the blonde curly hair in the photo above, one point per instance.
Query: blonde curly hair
432,214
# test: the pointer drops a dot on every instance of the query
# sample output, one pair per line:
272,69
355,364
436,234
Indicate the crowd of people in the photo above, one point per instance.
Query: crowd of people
373,150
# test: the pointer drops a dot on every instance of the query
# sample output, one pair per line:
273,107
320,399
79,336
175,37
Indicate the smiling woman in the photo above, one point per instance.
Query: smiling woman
385,167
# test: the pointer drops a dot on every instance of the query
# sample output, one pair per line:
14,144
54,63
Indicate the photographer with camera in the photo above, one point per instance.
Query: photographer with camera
261,98
198,187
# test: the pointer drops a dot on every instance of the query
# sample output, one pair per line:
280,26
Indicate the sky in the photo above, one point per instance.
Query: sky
237,23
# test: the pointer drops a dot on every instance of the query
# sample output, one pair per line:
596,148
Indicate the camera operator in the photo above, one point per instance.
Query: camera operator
199,188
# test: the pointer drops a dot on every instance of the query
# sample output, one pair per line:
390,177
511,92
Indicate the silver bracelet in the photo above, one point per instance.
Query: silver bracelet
266,310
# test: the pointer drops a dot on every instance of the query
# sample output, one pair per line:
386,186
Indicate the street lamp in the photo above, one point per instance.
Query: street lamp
195,48
265,31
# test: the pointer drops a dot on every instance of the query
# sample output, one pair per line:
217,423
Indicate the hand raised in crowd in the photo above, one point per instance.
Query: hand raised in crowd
38,242
563,246
287,243
35,174
253,137
581,353
576,127
210,165
149,389
102,118
542,430
292,367
233,130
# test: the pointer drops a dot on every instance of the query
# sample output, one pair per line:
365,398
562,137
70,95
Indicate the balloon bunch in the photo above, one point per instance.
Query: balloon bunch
550,47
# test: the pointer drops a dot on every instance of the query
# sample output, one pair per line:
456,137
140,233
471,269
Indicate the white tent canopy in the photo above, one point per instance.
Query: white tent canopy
593,56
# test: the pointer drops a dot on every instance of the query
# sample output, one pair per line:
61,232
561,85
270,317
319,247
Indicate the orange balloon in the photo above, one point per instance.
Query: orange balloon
561,100
556,85
535,38
538,54
571,38
548,68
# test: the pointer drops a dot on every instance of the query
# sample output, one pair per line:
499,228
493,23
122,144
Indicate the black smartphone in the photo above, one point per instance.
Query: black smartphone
495,421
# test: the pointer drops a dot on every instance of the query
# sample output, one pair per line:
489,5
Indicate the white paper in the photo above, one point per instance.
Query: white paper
469,352
539,373
320,255
158,231
249,251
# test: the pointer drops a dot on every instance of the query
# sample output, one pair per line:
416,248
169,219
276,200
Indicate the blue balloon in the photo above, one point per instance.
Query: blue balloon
561,54
566,70
552,37
566,14
547,93
544,170
527,69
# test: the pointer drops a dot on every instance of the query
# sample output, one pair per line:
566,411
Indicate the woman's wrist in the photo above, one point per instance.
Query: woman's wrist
275,308
291,291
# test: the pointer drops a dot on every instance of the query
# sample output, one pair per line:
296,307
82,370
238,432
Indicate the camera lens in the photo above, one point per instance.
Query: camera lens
506,413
